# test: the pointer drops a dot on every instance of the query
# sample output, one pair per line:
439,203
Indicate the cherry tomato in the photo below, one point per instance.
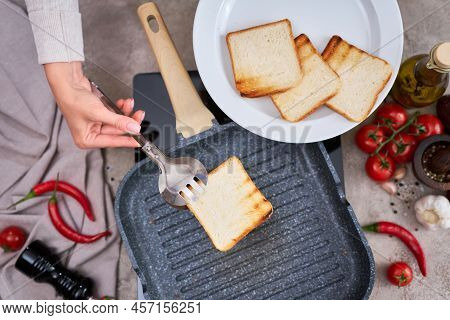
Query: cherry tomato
399,274
12,238
369,137
380,167
402,148
391,116
426,125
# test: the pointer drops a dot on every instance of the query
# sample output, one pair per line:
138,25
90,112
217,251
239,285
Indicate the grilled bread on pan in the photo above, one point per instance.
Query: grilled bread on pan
363,77
231,205
319,83
264,59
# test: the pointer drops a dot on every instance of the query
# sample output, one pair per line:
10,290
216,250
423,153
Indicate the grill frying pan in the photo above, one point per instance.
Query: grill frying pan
311,248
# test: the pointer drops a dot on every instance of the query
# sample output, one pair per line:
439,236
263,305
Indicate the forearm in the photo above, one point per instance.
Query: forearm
57,30
65,79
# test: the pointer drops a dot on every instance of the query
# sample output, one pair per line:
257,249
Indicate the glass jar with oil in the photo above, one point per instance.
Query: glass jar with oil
423,79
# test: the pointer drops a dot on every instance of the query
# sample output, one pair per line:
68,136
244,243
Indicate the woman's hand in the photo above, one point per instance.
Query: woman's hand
92,125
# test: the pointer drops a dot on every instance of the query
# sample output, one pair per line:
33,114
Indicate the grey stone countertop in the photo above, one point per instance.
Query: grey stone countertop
113,60
425,23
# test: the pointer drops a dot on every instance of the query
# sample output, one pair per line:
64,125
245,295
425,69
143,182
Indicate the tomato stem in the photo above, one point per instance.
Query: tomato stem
395,132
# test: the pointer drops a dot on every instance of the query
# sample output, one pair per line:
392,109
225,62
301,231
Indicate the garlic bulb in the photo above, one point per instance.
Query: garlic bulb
433,212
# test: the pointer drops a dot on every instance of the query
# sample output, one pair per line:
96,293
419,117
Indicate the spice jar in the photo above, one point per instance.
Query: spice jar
431,162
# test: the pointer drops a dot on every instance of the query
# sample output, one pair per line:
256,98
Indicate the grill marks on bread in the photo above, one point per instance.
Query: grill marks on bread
318,85
231,205
363,78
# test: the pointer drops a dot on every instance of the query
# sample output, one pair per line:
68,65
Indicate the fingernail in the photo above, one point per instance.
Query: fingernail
132,103
133,128
143,116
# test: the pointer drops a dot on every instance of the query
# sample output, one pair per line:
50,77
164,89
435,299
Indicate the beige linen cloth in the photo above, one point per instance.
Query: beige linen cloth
35,144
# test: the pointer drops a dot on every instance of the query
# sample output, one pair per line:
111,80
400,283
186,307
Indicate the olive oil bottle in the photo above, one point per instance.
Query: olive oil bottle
423,79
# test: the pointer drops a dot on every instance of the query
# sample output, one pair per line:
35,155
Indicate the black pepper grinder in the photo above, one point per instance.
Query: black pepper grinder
38,263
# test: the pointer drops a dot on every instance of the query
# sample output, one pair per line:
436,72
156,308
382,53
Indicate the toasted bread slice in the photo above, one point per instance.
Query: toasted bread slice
231,205
319,83
363,78
264,59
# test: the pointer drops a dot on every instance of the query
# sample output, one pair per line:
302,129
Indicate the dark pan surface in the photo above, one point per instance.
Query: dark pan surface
311,247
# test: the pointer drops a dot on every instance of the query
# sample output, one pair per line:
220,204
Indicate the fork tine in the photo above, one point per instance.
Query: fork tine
200,182
188,195
197,187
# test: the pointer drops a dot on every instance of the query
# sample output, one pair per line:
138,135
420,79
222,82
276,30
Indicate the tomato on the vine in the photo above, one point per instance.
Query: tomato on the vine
402,148
391,116
426,125
380,167
12,238
369,137
399,274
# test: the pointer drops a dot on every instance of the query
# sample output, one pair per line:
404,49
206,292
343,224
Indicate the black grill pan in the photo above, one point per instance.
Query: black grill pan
311,248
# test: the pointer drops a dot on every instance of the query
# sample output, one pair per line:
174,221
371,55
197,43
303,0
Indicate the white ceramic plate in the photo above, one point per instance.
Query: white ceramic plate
374,26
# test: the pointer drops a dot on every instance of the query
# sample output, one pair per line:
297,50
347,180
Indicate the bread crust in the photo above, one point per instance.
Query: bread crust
303,39
246,231
244,86
328,52
313,109
331,47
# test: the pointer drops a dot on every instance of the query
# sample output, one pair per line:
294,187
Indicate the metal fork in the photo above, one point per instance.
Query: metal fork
181,180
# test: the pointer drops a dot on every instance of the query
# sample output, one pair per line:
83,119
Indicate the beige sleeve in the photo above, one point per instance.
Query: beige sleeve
57,30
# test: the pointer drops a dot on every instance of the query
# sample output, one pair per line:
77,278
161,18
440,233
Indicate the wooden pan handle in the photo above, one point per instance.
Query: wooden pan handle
191,114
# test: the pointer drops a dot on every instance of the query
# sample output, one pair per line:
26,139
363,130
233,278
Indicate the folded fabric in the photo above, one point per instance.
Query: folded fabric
35,145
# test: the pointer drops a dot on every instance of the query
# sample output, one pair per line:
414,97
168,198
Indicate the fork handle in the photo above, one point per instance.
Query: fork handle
151,150
107,102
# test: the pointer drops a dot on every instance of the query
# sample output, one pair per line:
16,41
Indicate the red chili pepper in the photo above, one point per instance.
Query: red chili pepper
66,230
63,187
405,236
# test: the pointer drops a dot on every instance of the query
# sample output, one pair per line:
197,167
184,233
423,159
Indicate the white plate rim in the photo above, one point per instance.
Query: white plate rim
391,33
